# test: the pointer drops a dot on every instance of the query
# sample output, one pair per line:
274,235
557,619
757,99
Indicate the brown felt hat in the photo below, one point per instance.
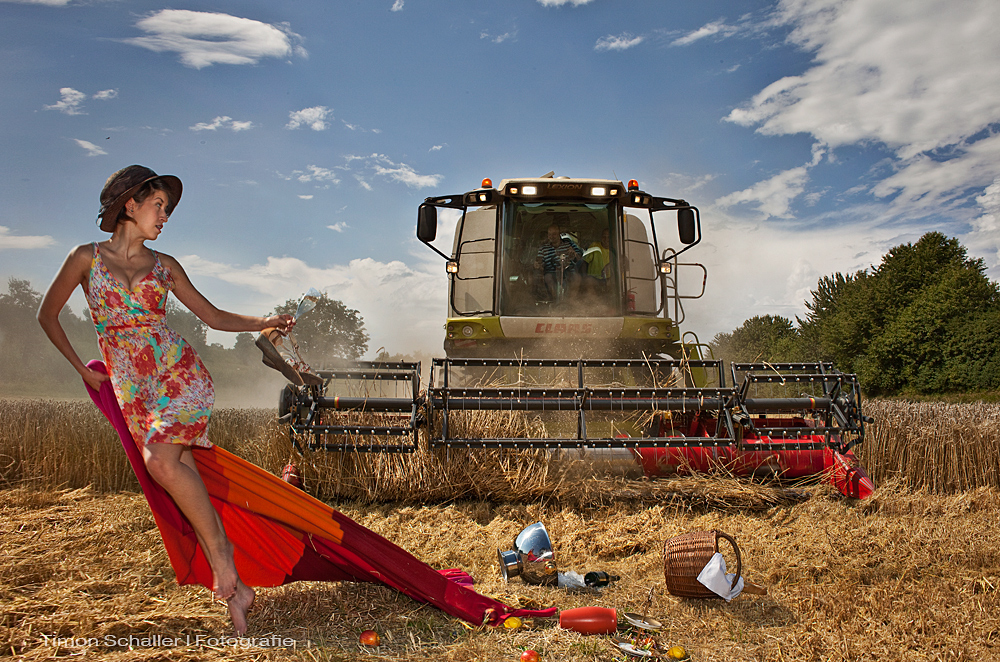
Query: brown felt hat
124,184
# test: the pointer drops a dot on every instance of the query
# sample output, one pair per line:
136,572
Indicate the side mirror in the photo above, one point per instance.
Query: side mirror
427,221
686,226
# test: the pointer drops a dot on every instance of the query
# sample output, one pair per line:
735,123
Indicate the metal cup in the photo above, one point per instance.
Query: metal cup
532,557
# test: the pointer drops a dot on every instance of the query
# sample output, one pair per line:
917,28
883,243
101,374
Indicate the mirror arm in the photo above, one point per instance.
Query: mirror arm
435,249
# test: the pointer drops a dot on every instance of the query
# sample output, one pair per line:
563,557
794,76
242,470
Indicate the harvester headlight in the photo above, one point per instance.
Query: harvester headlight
529,190
482,197
665,267
467,330
598,191
653,331
451,266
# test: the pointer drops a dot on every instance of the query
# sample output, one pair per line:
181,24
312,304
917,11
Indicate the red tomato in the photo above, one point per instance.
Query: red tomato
369,638
529,656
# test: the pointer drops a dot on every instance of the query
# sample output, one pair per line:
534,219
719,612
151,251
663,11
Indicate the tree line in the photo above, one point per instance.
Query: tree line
31,366
925,320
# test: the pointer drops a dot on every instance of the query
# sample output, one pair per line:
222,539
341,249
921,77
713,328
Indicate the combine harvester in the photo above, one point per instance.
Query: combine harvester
586,348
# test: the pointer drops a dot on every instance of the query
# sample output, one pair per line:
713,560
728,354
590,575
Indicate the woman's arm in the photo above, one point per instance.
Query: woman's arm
72,273
220,320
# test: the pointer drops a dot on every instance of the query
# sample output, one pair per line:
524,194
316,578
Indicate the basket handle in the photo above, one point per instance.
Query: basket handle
739,559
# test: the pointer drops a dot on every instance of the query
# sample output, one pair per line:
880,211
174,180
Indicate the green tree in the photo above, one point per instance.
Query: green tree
919,349
331,330
760,338
29,363
839,323
906,325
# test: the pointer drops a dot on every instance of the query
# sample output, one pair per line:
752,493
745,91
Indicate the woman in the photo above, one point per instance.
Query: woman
166,394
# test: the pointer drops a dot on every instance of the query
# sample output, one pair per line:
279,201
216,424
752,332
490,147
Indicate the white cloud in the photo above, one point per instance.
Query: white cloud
620,42
70,102
315,118
401,172
892,77
104,95
338,227
922,182
375,164
560,3
683,184
314,173
773,196
984,237
893,74
206,38
305,197
403,307
50,3
222,122
91,148
26,242
397,6
499,39
436,148
357,127
707,30
761,268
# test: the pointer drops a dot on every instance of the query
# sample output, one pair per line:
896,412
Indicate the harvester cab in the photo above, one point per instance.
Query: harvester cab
563,332
553,267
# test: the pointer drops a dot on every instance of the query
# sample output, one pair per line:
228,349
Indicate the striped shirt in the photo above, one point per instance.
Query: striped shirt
549,255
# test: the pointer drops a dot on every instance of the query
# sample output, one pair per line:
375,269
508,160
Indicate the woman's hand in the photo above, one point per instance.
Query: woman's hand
283,323
93,378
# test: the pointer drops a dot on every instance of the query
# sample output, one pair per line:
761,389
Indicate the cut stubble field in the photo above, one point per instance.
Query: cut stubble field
911,574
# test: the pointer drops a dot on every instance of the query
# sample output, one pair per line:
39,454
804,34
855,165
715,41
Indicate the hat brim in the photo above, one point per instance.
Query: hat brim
109,214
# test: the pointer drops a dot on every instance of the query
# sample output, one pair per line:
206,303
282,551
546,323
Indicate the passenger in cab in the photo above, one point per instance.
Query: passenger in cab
598,259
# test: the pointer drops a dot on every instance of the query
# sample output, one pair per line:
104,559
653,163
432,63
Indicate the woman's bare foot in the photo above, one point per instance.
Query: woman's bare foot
239,605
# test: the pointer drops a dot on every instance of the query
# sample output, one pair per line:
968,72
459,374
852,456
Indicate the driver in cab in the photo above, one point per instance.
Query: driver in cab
558,259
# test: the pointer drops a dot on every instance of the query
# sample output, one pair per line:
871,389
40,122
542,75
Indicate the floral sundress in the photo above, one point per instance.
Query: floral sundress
165,391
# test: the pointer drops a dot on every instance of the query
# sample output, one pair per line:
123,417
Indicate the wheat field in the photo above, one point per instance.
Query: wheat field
912,573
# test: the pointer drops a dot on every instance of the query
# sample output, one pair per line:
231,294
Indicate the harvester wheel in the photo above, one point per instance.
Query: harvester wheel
286,400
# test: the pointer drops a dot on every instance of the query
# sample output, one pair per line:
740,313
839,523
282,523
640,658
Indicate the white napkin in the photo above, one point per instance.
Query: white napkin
571,579
715,579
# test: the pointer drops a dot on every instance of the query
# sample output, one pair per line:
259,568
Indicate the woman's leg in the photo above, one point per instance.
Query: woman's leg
174,468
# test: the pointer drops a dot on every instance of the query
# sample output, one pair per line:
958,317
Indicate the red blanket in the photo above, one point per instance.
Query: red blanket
281,534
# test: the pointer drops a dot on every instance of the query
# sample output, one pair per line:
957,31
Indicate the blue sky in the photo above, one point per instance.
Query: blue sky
813,134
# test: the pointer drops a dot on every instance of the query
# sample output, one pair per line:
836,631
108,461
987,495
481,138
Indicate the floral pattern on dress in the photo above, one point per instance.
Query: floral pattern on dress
165,391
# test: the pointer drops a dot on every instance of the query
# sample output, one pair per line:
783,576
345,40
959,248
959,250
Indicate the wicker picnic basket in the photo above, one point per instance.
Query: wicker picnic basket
684,557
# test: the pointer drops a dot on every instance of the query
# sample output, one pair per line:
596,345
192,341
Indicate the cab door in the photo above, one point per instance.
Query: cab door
473,286
641,273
